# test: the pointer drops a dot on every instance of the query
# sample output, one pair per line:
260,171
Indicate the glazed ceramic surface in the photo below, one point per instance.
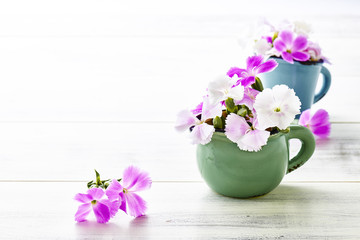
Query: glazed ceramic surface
236,173
302,78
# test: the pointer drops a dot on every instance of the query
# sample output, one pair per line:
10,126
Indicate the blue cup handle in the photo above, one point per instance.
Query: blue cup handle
326,85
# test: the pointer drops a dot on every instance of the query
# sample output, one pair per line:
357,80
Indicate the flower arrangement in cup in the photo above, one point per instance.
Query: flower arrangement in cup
291,42
238,105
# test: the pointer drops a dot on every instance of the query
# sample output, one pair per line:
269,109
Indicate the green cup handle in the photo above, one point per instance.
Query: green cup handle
326,85
307,146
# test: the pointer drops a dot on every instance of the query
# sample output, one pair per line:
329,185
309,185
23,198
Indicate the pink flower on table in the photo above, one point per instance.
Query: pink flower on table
318,123
201,132
103,209
254,66
290,47
248,138
133,180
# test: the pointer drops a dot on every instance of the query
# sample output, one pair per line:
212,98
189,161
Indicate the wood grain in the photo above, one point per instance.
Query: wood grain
101,79
90,84
70,151
187,211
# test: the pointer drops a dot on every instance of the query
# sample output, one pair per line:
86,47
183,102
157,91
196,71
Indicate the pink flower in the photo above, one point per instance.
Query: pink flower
290,47
103,209
248,138
318,123
249,98
254,66
314,51
134,180
202,132
198,109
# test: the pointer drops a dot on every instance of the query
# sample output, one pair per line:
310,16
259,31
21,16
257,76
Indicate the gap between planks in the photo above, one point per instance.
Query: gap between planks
157,181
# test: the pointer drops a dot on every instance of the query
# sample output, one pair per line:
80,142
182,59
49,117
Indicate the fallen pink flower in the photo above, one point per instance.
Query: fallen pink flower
103,209
318,123
133,180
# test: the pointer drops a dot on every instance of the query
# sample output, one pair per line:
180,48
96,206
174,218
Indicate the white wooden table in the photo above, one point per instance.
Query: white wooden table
90,85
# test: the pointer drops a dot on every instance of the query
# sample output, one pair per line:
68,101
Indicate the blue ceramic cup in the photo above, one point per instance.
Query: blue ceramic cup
300,77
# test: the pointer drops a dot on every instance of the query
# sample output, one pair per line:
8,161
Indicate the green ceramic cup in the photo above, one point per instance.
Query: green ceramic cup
242,174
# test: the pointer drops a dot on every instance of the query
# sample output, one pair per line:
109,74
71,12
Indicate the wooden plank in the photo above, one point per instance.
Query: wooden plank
100,79
163,7
113,24
71,151
187,211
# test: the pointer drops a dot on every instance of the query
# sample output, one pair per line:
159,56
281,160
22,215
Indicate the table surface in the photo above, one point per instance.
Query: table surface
90,85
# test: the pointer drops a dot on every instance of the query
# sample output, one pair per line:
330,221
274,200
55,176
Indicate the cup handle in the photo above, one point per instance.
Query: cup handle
326,85
307,146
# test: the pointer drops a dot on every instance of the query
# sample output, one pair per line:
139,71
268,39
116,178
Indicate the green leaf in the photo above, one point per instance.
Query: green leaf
230,106
218,123
89,184
242,112
98,181
257,85
275,36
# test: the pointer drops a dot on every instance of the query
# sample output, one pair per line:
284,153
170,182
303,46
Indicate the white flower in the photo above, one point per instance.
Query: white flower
277,107
302,28
222,88
247,138
201,132
262,47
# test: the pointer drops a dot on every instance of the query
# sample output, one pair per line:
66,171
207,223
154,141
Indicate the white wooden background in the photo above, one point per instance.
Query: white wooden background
90,84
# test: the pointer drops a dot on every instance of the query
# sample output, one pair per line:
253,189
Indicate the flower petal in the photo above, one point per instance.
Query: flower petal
287,37
82,212
136,205
202,134
235,70
321,117
246,82
237,93
253,140
235,127
262,46
319,123
217,88
287,57
264,105
136,180
123,202
113,190
300,56
322,131
305,118
267,66
83,198
279,45
252,62
112,205
185,120
277,107
198,109
210,110
300,43
102,212
96,193
247,100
